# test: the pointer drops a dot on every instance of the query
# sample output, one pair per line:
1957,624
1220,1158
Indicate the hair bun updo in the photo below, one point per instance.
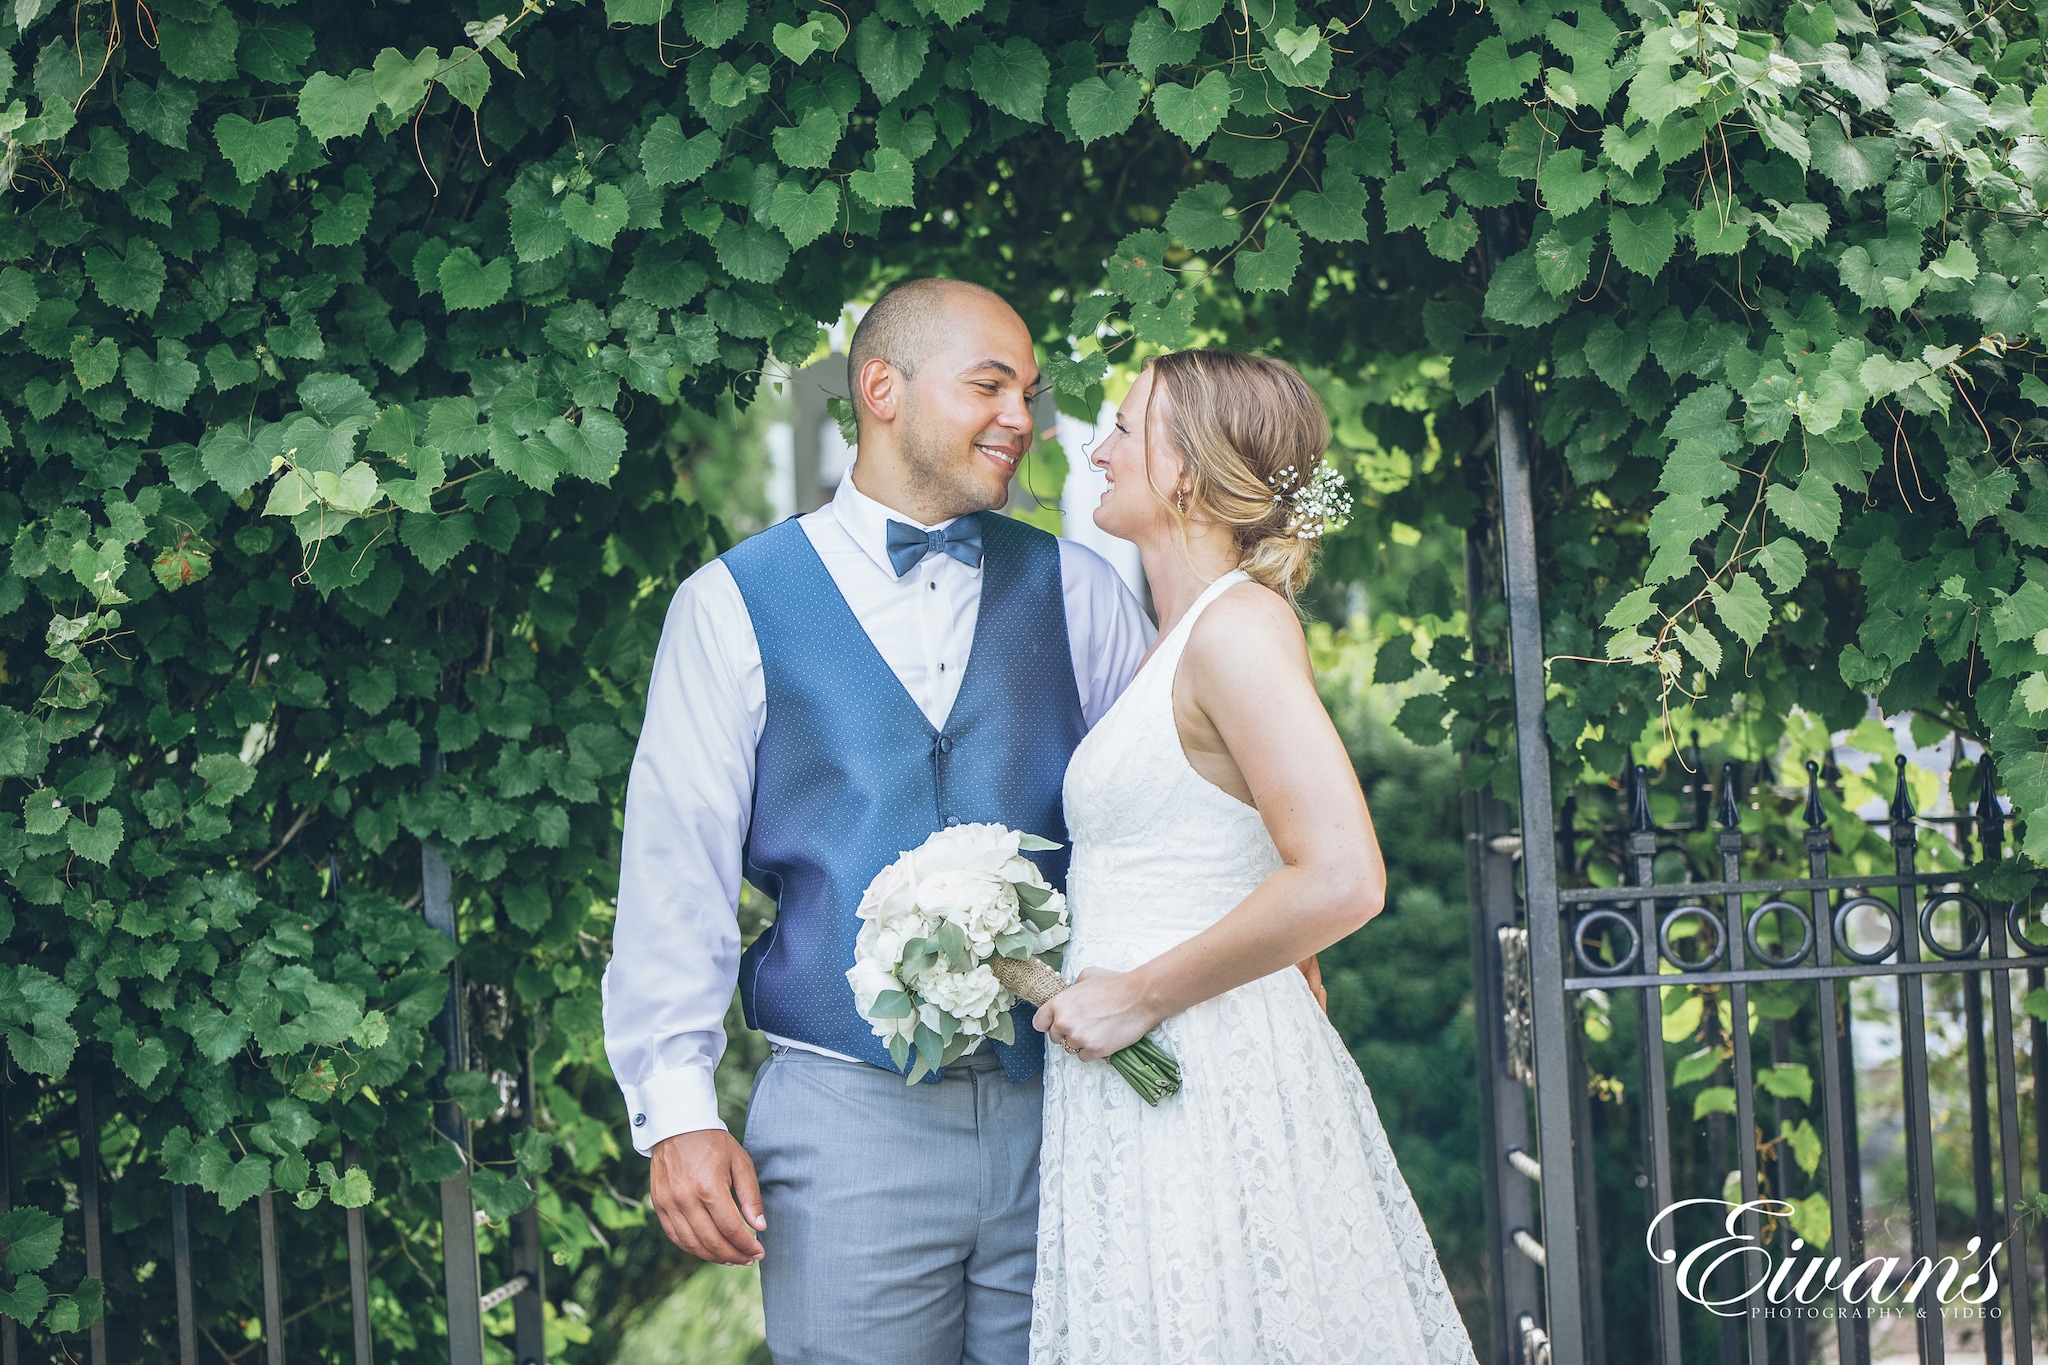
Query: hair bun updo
1253,435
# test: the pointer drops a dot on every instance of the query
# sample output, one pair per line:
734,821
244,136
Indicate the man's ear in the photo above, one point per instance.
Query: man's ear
880,390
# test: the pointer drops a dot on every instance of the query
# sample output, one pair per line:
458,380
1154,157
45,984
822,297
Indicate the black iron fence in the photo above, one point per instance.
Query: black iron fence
34,1114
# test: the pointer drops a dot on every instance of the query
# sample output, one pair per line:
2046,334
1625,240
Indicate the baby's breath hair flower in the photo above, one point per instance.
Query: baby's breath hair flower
1314,505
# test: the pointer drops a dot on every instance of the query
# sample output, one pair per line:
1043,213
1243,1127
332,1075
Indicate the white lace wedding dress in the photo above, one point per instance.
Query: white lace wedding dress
1258,1216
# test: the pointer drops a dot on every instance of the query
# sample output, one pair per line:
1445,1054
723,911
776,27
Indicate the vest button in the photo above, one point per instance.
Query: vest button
945,744
952,820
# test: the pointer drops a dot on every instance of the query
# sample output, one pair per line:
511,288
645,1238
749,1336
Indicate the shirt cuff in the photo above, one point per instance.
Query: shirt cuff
681,1101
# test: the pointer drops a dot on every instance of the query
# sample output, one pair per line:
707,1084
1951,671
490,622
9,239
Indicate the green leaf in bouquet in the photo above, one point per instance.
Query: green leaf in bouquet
1017,945
956,1049
1005,1030
1041,916
952,941
1054,956
899,1051
891,1005
1032,896
920,954
1032,843
949,1033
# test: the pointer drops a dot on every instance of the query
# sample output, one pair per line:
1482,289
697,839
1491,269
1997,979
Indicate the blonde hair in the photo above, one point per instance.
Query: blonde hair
1251,433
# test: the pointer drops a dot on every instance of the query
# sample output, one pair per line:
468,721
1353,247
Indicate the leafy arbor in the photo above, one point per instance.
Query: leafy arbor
341,519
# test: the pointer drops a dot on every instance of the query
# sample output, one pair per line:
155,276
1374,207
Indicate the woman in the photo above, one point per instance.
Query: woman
1220,837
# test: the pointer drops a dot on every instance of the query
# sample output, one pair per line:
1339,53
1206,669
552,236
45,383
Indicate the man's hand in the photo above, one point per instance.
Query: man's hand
1312,971
704,1189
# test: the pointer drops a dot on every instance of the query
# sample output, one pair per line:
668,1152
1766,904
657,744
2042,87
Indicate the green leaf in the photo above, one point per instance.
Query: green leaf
1742,608
531,460
139,1058
256,149
1813,508
889,59
201,50
1562,261
1715,1099
1012,77
1165,323
593,449
165,382
467,282
1336,213
713,23
809,145
597,220
436,540
669,158
1643,238
1191,15
226,777
1516,296
243,1181
232,460
334,106
1494,75
94,364
804,216
33,1239
1567,184
1157,42
1200,220
1616,353
1701,643
25,1302
1274,267
18,298
1719,230
133,282
1852,163
402,81
1192,114
1980,494
1696,1066
886,183
1783,562
1787,1081
105,162
1103,106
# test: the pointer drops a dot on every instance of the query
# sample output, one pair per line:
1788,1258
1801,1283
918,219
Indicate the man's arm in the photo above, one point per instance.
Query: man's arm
1106,628
676,943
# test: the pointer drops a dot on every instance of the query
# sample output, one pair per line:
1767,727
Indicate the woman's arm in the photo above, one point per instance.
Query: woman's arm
1246,671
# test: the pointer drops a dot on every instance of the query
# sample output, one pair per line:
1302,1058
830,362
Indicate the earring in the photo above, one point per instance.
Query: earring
1180,500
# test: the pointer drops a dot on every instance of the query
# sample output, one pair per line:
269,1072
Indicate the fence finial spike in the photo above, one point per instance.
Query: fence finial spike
1731,810
1639,821
1902,800
1816,818
1990,815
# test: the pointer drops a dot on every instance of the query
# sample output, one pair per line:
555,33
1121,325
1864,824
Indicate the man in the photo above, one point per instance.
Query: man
825,696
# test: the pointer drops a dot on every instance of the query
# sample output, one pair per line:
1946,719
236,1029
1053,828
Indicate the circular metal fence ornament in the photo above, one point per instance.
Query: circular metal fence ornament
1854,954
1671,954
1971,908
1756,917
1604,917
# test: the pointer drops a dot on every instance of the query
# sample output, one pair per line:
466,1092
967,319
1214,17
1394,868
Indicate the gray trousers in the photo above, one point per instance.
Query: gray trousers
902,1219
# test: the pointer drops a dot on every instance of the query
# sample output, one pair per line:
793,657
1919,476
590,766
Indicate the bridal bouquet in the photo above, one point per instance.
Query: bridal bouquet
954,933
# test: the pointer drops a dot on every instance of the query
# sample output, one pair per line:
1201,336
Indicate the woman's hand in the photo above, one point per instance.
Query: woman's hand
1101,1013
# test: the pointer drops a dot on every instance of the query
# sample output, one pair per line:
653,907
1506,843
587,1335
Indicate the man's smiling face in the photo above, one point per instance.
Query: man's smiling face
966,419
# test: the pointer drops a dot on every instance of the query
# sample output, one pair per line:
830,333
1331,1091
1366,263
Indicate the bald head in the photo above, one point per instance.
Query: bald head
906,325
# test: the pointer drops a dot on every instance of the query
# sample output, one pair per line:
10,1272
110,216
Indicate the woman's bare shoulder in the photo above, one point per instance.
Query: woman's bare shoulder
1248,634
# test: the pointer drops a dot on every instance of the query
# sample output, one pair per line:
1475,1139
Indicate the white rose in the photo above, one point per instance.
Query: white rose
967,848
976,901
893,892
964,995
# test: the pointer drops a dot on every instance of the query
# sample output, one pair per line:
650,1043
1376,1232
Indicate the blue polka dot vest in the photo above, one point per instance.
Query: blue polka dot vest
849,773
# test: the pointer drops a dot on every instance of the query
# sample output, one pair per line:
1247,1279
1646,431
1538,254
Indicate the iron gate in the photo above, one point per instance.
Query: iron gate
1544,948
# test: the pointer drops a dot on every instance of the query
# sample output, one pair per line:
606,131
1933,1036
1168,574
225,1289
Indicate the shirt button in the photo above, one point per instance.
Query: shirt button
934,587
945,744
639,1120
942,668
952,820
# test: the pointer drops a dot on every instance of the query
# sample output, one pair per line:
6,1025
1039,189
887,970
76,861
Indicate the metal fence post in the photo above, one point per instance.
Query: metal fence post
1564,1320
462,1274
89,1195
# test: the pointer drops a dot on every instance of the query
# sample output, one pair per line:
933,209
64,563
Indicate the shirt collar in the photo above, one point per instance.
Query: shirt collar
867,521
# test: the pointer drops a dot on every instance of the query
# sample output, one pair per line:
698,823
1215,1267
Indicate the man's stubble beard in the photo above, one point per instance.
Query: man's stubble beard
955,491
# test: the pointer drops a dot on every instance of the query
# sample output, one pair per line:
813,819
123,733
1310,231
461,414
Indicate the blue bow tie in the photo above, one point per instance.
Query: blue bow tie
961,539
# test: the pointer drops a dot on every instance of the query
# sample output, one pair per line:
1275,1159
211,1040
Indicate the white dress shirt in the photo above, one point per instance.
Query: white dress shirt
676,944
